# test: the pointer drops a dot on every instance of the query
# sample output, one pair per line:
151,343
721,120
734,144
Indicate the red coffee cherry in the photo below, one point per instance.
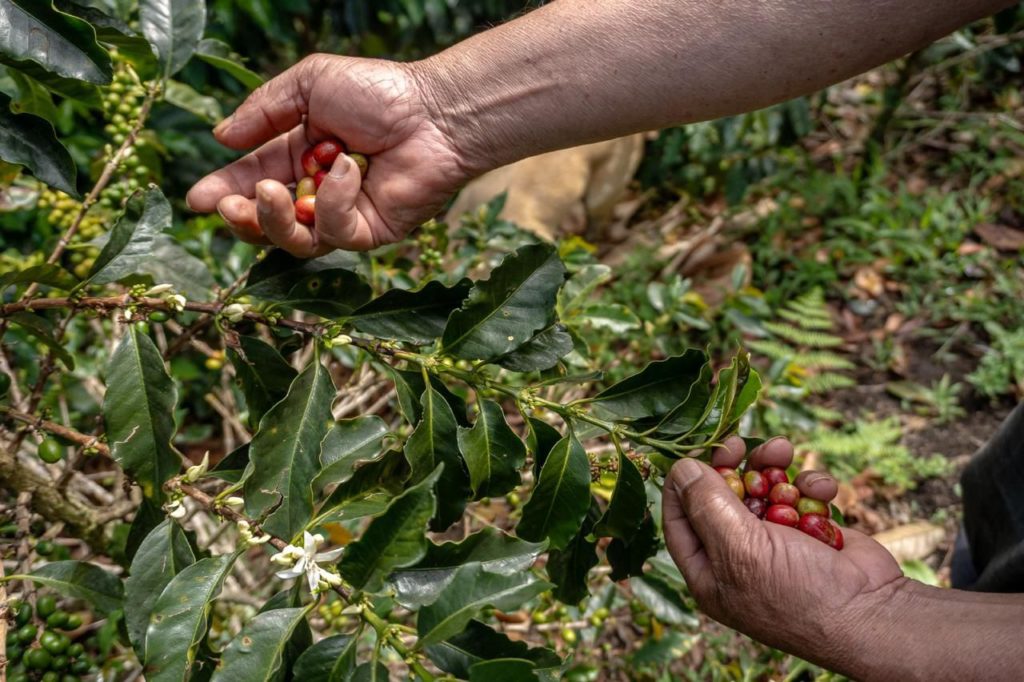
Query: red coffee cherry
775,475
305,209
782,514
821,529
305,186
756,484
309,162
318,177
808,505
784,493
757,506
733,480
327,151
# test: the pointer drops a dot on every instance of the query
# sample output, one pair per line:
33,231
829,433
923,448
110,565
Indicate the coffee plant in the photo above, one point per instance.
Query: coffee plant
402,460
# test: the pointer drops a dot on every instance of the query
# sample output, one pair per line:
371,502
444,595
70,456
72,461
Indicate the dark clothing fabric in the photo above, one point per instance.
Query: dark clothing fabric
993,490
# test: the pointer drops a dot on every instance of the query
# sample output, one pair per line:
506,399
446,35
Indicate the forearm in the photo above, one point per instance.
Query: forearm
577,71
916,632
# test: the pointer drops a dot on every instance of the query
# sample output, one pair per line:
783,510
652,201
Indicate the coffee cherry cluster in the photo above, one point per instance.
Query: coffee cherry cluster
317,161
769,495
41,644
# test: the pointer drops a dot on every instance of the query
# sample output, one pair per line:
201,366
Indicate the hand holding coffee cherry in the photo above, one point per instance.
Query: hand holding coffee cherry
778,579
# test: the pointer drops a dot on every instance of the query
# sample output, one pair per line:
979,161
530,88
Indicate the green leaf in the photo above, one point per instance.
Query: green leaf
386,474
409,386
329,293
654,390
234,465
278,273
502,670
131,240
434,442
28,96
285,453
30,141
490,548
264,375
540,440
257,652
614,317
506,310
185,97
663,600
138,410
79,580
541,352
46,274
492,451
688,414
332,659
169,262
471,590
42,329
627,556
746,396
348,442
580,286
112,31
174,28
371,671
414,316
218,54
628,506
478,643
178,623
395,539
58,42
561,497
568,568
163,554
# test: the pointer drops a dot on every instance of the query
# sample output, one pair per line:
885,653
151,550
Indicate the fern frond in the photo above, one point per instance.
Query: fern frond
808,319
829,381
771,349
802,337
823,360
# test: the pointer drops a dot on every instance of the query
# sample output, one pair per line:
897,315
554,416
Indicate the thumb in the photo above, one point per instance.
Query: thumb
275,107
714,512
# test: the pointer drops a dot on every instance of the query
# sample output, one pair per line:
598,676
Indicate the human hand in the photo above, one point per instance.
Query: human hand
377,108
772,582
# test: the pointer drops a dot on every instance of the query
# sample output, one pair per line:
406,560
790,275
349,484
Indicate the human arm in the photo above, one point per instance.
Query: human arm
571,72
850,610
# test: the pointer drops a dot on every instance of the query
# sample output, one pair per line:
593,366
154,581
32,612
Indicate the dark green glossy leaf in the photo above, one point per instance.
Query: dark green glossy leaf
42,329
386,474
30,141
655,390
477,643
627,556
131,241
329,293
628,506
79,580
541,438
218,54
371,671
233,467
663,600
502,670
58,42
409,386
492,451
434,442
471,590
285,453
138,410
264,375
506,310
163,554
178,623
112,31
169,262
47,274
746,396
258,651
541,352
568,568
671,647
185,97
414,316
348,442
687,415
395,539
332,659
274,276
174,28
495,551
561,497
27,95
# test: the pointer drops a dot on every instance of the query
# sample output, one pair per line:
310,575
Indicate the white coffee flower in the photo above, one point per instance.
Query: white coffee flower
158,289
235,312
197,471
306,561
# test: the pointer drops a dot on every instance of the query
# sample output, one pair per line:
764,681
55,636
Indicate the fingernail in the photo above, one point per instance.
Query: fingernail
221,214
263,196
340,167
688,472
223,125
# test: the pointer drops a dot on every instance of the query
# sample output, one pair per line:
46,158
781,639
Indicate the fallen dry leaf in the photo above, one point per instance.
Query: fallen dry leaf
1002,237
912,540
866,279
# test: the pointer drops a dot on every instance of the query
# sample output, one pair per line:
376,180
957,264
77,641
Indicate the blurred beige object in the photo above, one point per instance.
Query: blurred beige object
911,541
559,193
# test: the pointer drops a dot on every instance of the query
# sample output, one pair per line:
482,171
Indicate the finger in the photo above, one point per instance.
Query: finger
338,218
239,215
715,514
683,544
817,484
278,160
276,213
777,452
730,454
275,107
